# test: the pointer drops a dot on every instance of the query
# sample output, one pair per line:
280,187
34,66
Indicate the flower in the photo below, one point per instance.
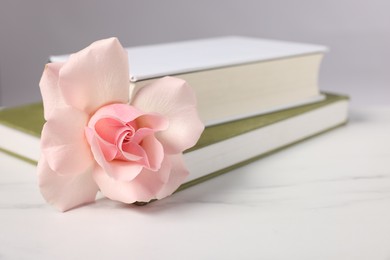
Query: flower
99,135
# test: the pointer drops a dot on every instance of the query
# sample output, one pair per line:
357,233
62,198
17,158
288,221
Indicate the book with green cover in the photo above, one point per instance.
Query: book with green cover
221,147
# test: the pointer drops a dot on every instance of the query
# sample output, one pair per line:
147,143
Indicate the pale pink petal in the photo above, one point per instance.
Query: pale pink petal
133,152
109,129
110,151
117,169
121,112
96,76
50,91
143,188
63,142
153,121
123,170
96,149
66,191
176,177
154,151
140,134
174,99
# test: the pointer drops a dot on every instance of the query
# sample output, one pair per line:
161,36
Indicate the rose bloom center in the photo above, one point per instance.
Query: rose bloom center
126,134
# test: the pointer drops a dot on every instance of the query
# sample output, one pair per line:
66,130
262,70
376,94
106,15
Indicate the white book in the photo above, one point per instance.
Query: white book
233,77
152,61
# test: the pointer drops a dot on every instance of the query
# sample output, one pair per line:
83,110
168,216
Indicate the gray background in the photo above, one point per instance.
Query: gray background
357,32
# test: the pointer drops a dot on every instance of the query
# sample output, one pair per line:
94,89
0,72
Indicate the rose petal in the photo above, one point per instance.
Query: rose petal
63,142
122,170
119,170
174,99
66,191
109,129
140,134
96,76
143,188
176,177
133,152
50,91
110,151
154,151
153,121
121,112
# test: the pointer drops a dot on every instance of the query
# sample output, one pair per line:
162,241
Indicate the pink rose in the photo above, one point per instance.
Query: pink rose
99,136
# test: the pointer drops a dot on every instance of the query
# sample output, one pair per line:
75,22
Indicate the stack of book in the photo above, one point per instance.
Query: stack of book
255,97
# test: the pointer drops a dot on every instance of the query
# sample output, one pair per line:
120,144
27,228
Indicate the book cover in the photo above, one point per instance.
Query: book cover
217,151
203,54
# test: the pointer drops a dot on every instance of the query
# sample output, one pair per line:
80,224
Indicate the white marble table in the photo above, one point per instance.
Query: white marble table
326,198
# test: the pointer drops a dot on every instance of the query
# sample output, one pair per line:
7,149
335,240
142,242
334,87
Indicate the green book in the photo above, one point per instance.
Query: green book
221,147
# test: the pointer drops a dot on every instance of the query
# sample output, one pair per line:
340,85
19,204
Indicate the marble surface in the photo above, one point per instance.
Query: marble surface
326,198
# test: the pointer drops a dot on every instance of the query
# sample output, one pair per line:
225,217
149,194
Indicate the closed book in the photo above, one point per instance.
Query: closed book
254,76
221,147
